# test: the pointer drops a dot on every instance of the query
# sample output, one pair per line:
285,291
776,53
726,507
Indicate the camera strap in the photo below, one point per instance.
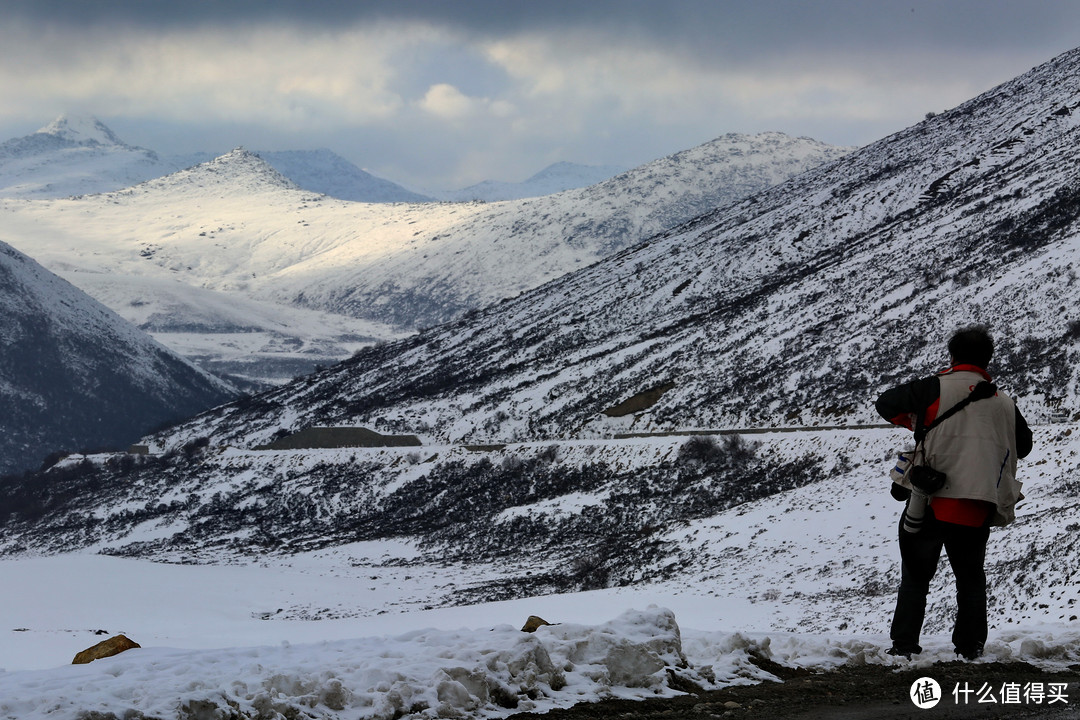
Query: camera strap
982,391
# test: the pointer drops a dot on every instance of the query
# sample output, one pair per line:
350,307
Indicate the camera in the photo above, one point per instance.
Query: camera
927,479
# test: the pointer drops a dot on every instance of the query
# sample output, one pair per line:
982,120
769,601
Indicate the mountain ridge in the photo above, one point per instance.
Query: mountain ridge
80,155
74,375
954,214
236,227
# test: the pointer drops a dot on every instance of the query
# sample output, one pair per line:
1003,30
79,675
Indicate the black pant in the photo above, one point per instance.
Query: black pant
919,554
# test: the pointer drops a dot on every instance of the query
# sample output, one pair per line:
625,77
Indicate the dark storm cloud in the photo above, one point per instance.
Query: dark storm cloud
708,28
507,86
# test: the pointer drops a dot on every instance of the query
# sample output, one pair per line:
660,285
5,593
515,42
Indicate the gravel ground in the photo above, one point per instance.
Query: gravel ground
853,692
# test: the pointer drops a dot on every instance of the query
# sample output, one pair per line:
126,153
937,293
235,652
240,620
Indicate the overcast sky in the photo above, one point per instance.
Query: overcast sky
443,94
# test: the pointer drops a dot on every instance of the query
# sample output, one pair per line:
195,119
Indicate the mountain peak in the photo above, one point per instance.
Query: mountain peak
242,163
81,130
238,156
238,170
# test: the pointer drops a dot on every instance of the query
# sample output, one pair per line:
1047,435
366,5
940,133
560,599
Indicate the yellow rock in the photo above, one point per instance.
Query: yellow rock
104,649
534,622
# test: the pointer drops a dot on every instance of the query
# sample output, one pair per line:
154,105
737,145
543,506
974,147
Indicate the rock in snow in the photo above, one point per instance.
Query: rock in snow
106,648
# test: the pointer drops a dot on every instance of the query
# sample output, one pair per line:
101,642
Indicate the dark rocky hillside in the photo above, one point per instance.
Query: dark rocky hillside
73,375
455,506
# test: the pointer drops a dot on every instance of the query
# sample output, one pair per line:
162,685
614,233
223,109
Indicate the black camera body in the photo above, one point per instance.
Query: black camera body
927,479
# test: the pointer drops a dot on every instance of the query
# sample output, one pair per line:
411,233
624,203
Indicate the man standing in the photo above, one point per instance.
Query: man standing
976,449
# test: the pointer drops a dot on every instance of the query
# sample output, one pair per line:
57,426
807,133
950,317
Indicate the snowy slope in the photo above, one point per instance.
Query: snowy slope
328,173
553,179
470,662
74,155
74,375
792,308
789,531
795,306
235,225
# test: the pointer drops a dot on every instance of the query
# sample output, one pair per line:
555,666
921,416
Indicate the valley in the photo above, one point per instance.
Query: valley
633,409
231,246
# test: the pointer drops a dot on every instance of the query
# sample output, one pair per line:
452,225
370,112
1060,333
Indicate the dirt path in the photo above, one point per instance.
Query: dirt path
857,693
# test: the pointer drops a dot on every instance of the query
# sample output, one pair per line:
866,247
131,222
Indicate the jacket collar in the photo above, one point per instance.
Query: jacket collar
964,367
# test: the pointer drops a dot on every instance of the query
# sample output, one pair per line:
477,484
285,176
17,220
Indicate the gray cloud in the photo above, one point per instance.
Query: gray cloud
444,93
710,27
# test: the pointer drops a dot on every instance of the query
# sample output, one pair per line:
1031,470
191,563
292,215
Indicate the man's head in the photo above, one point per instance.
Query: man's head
971,346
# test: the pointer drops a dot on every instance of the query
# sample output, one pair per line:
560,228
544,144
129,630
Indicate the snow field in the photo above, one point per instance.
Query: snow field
489,671
805,578
478,671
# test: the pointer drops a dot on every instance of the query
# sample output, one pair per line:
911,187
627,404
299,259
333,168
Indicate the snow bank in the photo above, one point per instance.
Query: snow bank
485,673
431,673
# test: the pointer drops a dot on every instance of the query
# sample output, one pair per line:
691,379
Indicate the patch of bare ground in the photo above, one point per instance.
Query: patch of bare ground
857,692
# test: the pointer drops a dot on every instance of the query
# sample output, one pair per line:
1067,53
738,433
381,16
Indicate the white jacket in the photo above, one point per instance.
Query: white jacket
976,447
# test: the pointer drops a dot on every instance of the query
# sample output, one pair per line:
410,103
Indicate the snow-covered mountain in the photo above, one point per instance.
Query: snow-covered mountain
74,375
325,172
236,226
790,307
794,307
553,179
489,252
74,155
154,254
80,155
322,171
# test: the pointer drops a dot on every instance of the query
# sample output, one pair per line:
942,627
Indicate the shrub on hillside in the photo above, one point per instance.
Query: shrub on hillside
704,451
